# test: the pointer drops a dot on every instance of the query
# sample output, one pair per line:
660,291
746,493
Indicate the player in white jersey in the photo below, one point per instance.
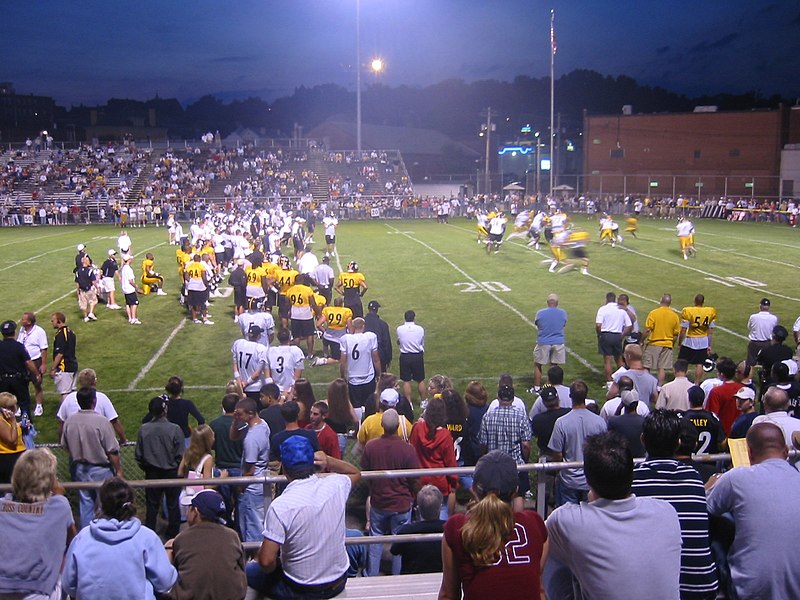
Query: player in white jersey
285,363
535,232
359,364
558,221
685,230
521,224
256,316
250,362
330,223
497,227
607,230
482,222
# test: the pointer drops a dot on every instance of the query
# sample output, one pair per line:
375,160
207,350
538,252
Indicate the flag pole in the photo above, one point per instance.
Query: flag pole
552,94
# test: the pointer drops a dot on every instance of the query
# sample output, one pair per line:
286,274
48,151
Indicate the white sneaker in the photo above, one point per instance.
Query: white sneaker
136,322
207,322
197,321
86,319
38,411
320,361
235,318
553,266
91,316
161,292
585,271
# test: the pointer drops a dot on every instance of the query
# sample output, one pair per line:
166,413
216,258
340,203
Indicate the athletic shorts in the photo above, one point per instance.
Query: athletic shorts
302,328
610,344
239,297
131,299
412,366
64,382
86,297
692,356
330,239
495,237
284,307
578,253
333,348
107,284
658,357
362,395
549,354
197,298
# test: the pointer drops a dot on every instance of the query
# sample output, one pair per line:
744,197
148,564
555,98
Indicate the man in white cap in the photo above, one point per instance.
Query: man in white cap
759,330
108,271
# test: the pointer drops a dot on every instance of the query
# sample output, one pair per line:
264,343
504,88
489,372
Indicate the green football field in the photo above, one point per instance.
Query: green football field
477,309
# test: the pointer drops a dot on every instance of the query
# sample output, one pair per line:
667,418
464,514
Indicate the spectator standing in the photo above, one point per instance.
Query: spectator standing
674,395
746,403
776,410
12,444
34,339
159,448
566,444
328,442
411,341
93,450
661,329
644,383
776,352
756,498
180,408
434,446
69,406
17,369
721,399
612,324
550,348
373,323
662,476
476,398
227,452
759,330
710,433
629,423
390,499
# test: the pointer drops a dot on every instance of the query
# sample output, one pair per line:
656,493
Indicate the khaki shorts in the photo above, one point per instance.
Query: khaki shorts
549,354
658,357
65,382
86,298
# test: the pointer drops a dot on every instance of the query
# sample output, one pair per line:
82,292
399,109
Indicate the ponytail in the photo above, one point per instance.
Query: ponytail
490,524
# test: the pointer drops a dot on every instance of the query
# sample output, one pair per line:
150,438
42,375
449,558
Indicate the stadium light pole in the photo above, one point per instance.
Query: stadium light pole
358,78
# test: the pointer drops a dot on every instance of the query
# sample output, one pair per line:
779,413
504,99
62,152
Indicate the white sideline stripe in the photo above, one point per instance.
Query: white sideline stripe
708,274
750,256
32,258
146,369
629,292
493,295
69,293
41,237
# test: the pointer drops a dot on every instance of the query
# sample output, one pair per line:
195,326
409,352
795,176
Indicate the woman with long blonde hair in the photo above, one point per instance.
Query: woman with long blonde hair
198,456
492,551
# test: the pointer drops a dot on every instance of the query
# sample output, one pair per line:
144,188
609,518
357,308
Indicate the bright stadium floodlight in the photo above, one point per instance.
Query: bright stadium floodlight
377,65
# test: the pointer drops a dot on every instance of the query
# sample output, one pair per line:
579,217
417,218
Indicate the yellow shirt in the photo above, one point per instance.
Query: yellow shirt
698,319
148,267
300,296
320,300
372,429
337,316
664,325
285,279
351,280
16,448
255,276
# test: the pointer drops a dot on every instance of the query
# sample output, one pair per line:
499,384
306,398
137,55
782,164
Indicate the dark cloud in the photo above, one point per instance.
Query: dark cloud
722,42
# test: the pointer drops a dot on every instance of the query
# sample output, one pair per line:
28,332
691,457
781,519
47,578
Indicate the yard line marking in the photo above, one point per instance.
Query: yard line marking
707,274
146,369
32,258
760,241
493,295
69,293
758,258
41,237
629,292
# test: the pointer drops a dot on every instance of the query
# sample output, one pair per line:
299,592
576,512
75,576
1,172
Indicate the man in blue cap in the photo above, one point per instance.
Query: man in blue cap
305,524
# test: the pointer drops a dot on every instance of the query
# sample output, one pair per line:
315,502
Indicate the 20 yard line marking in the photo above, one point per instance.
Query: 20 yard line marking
494,296
146,369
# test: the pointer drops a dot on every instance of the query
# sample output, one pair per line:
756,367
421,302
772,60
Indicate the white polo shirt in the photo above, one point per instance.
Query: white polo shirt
411,338
612,319
69,406
760,325
35,341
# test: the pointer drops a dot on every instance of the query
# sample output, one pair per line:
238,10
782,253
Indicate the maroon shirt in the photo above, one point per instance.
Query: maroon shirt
390,452
328,441
516,574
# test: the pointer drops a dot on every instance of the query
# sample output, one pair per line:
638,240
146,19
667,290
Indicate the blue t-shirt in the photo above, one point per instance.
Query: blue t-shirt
255,451
551,322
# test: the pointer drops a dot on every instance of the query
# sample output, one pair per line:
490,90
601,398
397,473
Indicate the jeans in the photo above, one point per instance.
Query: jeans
87,499
171,496
342,443
230,496
356,554
566,494
384,523
274,585
252,512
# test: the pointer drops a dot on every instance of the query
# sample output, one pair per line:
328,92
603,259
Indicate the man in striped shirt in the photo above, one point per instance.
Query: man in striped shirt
662,476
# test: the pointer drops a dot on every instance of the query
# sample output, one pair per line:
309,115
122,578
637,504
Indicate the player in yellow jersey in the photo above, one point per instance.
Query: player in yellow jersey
607,230
353,285
697,328
303,311
284,279
196,276
633,226
556,249
334,322
151,280
576,243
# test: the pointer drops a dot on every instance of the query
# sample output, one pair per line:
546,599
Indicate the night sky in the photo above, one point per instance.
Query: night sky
88,51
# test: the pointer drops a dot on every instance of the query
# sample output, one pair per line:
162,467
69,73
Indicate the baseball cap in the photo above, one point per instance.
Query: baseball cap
696,394
8,327
254,329
792,364
373,305
111,252
745,393
81,247
210,504
296,452
765,302
552,297
496,472
779,332
390,397
628,397
326,259
505,392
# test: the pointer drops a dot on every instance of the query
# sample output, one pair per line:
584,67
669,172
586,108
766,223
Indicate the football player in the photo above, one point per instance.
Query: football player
352,285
